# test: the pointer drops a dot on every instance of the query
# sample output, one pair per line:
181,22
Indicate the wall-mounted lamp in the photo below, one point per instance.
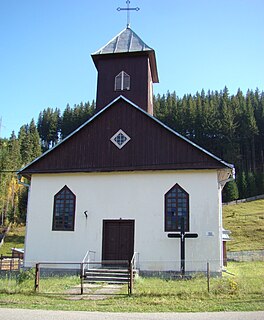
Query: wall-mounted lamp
85,213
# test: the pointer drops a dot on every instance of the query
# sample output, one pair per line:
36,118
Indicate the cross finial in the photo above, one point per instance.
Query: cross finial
128,9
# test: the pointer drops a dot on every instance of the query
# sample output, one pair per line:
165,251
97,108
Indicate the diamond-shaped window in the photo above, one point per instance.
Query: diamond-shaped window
120,139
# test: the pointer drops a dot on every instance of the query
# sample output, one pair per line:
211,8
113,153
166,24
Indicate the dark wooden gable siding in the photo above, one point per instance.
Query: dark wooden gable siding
134,64
152,146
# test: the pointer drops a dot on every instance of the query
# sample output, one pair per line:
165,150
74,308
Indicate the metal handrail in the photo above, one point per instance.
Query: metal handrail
84,263
134,260
87,254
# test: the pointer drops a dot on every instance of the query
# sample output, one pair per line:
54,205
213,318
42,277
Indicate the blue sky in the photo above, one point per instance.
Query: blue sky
45,48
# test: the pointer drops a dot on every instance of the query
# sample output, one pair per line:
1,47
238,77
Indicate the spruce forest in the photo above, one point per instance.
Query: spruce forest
229,126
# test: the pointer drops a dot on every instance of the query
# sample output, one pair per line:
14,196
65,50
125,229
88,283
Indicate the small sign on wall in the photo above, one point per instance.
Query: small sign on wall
210,233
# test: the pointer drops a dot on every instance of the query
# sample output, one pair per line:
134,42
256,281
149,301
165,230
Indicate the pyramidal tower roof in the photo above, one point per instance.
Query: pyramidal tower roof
126,41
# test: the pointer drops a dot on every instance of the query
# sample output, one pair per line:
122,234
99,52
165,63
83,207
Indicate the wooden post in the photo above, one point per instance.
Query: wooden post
208,277
37,277
81,276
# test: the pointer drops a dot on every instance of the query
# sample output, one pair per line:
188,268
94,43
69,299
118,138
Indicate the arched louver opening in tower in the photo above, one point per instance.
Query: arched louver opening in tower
122,81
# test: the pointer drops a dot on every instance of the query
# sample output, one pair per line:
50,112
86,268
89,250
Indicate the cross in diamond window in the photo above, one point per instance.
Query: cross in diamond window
120,139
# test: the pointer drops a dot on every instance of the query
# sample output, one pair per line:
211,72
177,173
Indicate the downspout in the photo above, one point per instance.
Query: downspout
221,185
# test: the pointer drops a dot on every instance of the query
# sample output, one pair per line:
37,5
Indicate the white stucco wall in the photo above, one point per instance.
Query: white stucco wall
129,195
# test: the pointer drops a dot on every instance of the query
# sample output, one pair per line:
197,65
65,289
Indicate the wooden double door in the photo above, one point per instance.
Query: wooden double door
118,239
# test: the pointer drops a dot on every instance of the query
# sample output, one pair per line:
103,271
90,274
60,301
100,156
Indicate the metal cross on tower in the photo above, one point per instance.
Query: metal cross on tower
128,9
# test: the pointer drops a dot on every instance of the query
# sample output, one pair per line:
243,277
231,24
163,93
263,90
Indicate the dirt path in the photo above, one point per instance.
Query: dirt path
94,291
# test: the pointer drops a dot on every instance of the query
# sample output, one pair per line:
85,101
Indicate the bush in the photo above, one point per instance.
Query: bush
230,191
26,275
225,286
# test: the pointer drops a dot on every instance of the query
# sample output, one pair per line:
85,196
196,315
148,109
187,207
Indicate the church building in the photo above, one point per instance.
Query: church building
123,181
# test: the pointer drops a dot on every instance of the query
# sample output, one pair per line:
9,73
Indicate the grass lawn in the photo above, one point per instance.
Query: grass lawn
246,222
14,239
242,292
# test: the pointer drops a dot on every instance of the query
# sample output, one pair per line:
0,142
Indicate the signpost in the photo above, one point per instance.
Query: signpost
182,236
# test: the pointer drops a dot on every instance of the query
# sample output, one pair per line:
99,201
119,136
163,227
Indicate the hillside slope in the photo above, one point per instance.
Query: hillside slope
14,239
246,222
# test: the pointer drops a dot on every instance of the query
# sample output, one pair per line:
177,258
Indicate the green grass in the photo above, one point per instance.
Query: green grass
246,222
14,239
242,292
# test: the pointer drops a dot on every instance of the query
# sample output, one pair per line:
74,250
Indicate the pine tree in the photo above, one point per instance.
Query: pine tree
251,185
190,118
259,140
29,141
242,185
66,122
228,128
25,145
230,191
14,157
34,141
260,183
49,127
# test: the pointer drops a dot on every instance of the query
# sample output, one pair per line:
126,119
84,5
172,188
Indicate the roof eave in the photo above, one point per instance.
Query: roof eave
150,54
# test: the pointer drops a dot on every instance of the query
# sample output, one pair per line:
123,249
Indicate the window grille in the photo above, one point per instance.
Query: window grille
64,210
176,208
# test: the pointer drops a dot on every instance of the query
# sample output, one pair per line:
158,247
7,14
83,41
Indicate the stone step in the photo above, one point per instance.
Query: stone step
107,275
105,270
105,279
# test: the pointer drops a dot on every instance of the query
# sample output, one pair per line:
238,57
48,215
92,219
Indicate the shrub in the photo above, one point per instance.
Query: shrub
26,275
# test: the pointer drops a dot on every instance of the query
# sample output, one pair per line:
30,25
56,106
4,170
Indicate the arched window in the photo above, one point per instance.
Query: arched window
176,209
64,210
122,81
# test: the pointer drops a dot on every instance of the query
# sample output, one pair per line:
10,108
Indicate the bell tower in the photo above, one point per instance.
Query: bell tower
126,66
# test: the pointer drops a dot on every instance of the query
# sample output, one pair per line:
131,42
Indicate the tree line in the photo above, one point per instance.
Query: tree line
229,126
15,153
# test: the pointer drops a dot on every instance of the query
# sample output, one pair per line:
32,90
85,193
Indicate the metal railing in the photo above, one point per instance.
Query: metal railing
86,264
109,264
135,261
89,256
44,266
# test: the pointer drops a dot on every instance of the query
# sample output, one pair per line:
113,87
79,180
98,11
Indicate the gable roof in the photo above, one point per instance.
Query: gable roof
152,146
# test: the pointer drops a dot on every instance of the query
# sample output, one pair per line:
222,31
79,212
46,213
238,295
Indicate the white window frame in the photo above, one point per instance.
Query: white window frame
122,81
113,139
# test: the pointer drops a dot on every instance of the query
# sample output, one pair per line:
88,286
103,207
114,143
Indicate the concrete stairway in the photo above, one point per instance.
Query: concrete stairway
107,275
